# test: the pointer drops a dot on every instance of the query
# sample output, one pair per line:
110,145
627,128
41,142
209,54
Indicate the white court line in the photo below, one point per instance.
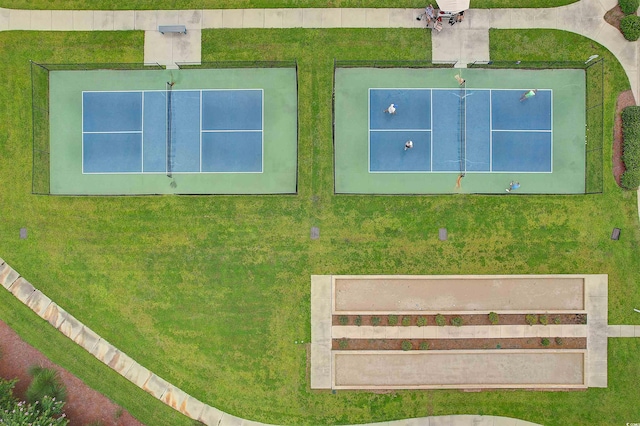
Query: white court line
522,131
142,135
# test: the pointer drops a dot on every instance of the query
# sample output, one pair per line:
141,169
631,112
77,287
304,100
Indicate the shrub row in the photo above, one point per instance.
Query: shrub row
631,147
629,6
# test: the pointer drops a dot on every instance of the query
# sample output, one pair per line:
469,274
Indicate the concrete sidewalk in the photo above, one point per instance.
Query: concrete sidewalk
464,42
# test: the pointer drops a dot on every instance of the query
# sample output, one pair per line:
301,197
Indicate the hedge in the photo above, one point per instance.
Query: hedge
631,147
630,27
629,6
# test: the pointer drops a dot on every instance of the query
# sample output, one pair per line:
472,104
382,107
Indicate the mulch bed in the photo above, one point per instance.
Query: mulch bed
460,344
84,404
469,319
625,99
614,16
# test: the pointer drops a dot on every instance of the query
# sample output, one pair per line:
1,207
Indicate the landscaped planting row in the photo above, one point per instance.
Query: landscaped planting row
459,320
459,344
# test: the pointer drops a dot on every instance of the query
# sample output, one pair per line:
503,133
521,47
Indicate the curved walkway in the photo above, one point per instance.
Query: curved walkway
160,388
465,42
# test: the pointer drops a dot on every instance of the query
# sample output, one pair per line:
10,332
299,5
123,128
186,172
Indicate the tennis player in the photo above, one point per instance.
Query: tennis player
408,145
513,186
461,81
391,109
528,94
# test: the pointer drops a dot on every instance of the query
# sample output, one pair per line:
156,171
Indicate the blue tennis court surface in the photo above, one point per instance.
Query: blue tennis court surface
460,130
186,131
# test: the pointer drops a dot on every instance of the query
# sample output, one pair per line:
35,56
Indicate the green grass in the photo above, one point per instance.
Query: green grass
241,4
211,293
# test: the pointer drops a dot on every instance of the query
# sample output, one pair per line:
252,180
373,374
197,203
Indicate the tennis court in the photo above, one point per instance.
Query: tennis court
214,131
190,131
484,131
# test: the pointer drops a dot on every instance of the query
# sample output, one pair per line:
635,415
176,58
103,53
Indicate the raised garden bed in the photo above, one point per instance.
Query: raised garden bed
469,319
460,344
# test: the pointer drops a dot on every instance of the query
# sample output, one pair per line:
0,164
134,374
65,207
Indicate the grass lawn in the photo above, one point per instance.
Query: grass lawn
241,4
211,293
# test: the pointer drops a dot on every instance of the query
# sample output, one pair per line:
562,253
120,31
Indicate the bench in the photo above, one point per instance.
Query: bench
182,29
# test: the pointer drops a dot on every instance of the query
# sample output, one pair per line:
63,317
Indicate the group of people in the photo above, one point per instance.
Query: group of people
391,110
430,15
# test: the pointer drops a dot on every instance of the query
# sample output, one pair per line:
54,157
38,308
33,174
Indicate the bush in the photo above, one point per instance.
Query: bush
343,320
45,382
343,343
457,321
424,346
630,179
630,27
556,320
440,320
494,318
544,341
629,6
15,412
421,321
531,319
406,345
393,320
559,341
406,321
544,320
375,321
358,320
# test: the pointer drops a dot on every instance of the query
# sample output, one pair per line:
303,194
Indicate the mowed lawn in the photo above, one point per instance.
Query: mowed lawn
241,4
212,293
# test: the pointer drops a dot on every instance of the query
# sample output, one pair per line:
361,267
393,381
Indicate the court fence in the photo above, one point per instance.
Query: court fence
237,64
40,178
594,110
341,63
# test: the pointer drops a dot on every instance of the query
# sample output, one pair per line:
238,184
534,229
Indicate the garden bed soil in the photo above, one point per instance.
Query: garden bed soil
625,99
614,16
469,319
459,344
84,404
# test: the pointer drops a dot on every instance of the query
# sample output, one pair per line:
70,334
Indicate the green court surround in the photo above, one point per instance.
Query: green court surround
351,139
279,175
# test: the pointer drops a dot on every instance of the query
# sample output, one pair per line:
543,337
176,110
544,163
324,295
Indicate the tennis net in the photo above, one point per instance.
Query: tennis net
169,132
463,129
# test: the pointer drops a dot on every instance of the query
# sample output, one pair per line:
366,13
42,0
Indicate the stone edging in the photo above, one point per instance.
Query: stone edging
155,385
110,355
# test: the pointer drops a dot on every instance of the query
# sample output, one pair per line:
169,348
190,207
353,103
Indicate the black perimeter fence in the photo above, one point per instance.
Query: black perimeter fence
238,64
338,63
40,183
594,111
40,180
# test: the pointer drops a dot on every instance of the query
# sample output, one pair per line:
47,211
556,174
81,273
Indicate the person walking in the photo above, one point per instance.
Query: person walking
429,13
391,109
513,186
528,94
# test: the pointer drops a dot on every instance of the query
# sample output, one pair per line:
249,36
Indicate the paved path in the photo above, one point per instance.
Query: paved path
465,42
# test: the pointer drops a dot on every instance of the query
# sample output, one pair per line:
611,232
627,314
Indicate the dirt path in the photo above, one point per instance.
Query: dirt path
84,405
